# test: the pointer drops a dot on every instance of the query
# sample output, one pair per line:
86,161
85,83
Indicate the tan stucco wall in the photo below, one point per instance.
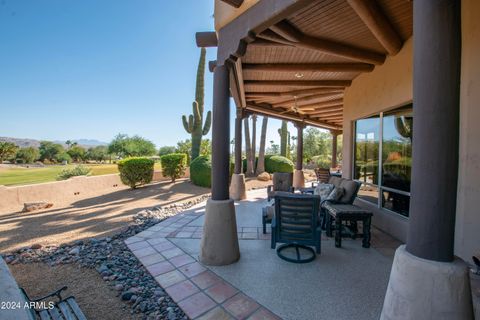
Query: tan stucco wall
73,189
386,87
467,233
225,13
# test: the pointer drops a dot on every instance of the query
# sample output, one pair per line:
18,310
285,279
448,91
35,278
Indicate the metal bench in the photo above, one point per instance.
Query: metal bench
67,309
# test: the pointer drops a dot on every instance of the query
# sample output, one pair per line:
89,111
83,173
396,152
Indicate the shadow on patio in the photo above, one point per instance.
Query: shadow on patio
262,283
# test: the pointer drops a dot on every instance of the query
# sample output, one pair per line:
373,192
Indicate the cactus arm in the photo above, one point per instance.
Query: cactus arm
197,116
187,125
208,123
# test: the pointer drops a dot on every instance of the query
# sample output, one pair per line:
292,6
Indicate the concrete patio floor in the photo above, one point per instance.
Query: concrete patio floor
341,283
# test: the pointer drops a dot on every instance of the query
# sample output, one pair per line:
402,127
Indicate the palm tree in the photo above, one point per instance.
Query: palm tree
261,151
248,148
254,142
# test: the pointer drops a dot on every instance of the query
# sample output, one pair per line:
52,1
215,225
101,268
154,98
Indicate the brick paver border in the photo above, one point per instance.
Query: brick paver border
199,292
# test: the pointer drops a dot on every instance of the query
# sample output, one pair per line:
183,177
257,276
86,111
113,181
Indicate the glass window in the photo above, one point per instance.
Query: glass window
397,149
396,202
385,139
368,193
367,139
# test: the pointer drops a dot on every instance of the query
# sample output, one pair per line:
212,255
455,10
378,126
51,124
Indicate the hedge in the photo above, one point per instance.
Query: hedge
173,165
275,163
135,172
201,171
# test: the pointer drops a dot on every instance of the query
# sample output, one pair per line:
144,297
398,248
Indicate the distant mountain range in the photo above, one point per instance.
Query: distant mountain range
87,143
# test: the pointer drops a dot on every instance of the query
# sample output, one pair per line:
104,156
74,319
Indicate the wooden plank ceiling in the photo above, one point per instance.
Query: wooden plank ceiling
301,66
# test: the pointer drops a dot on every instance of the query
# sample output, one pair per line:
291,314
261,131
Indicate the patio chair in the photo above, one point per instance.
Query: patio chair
323,175
282,181
62,309
296,226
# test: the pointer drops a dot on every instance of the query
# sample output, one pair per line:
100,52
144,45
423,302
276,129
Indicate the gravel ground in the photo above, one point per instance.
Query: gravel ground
90,256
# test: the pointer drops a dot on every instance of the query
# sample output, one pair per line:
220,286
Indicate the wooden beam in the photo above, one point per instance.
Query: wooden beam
294,92
301,83
326,114
334,117
325,110
206,39
306,98
266,43
376,21
317,105
291,117
233,3
272,36
212,65
313,67
324,45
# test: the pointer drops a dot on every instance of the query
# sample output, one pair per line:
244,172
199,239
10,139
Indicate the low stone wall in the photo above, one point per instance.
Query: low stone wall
13,302
73,189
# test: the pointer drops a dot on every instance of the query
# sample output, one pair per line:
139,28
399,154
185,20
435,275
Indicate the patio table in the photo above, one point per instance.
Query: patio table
347,212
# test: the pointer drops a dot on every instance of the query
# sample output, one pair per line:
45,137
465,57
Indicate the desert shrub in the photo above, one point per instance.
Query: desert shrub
173,165
278,164
63,157
27,155
323,162
201,171
135,172
73,172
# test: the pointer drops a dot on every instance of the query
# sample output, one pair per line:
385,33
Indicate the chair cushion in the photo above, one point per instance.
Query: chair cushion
323,190
351,189
282,181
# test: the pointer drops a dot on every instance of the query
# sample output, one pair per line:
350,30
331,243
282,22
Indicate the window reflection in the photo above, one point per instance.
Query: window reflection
397,149
395,131
366,149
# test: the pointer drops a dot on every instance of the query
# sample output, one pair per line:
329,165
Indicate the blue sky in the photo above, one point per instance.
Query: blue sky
73,69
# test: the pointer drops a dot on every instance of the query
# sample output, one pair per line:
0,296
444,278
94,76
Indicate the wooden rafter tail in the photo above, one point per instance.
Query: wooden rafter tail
234,3
286,33
378,24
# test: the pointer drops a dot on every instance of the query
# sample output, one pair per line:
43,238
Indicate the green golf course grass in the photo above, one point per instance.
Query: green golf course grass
23,176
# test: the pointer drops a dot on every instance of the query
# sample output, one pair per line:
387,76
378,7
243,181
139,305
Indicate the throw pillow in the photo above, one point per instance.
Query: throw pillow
324,190
335,195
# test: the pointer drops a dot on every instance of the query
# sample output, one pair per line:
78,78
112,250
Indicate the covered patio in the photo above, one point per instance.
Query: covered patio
341,65
261,284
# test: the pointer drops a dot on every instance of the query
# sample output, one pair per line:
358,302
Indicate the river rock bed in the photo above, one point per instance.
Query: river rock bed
117,265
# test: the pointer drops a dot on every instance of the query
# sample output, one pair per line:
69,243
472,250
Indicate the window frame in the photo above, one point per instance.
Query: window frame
380,187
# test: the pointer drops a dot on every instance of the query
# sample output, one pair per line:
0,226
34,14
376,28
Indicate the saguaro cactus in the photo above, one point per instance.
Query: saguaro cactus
194,125
284,139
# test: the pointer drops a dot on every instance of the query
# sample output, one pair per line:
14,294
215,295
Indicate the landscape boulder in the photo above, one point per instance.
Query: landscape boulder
264,176
33,206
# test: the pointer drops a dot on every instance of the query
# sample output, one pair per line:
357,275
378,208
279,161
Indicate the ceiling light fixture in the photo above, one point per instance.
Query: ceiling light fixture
298,75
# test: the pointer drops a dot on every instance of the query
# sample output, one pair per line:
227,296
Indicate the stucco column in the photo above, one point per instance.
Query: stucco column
298,177
219,244
426,281
334,148
237,185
